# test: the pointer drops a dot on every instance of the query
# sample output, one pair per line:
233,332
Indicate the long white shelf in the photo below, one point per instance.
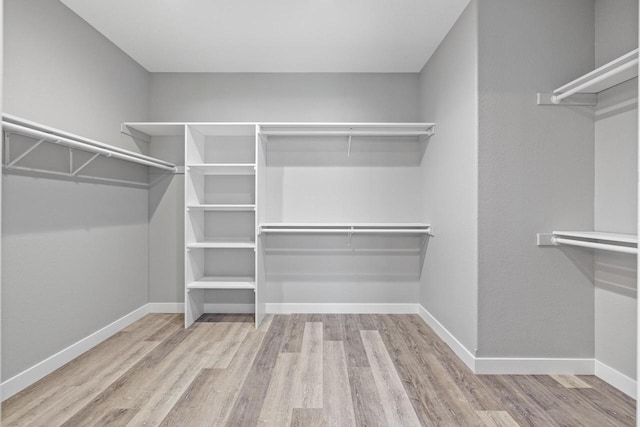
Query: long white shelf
222,207
43,133
599,235
609,75
418,130
349,228
613,242
223,168
223,283
222,245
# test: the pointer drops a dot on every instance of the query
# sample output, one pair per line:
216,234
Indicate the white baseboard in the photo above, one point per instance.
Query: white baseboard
25,378
617,379
330,308
166,307
458,348
533,366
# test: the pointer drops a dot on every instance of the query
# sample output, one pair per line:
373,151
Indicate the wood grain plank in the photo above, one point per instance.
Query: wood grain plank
356,356
429,399
395,402
523,410
246,408
497,419
367,404
570,381
277,407
332,327
337,402
116,417
292,340
308,376
308,417
422,341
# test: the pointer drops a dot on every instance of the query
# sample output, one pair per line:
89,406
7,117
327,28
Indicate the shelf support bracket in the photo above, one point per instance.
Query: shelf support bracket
349,149
84,165
7,149
25,154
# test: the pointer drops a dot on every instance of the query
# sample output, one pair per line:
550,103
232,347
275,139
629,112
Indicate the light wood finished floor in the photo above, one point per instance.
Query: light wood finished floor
300,370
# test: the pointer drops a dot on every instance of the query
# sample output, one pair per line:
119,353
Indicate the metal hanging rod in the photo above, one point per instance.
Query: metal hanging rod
427,132
93,147
589,239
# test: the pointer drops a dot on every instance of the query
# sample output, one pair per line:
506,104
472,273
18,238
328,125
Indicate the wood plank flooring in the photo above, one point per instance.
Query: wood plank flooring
300,370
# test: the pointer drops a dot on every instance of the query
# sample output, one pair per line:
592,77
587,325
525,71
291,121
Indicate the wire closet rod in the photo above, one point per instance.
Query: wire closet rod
594,245
93,147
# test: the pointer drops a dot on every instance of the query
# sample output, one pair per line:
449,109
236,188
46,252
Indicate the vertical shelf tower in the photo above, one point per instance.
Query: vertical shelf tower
220,217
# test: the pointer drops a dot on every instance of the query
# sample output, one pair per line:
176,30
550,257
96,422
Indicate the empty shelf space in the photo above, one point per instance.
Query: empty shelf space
223,168
228,244
222,207
223,283
363,228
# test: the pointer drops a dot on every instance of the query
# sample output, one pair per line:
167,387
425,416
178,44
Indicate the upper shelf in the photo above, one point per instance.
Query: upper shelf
613,242
417,130
615,72
348,228
42,133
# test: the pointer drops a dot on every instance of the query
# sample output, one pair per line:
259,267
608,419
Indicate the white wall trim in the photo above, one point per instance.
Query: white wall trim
29,376
166,307
533,366
458,348
335,308
617,379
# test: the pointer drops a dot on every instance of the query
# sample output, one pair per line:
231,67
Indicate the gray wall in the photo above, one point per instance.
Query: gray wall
74,254
449,97
284,97
265,97
616,190
535,175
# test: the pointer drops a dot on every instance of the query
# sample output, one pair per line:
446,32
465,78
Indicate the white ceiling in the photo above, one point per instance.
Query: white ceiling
274,35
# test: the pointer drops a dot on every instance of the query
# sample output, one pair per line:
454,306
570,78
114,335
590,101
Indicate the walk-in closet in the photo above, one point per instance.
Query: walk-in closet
314,214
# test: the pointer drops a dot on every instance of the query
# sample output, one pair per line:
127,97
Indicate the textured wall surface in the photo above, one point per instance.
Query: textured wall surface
75,254
449,97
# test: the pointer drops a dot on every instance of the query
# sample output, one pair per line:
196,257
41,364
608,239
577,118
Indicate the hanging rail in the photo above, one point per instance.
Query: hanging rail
84,145
584,88
593,240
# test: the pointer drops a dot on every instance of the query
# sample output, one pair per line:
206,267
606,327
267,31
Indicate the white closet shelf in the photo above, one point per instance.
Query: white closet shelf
418,130
42,133
230,244
222,207
223,168
223,283
348,228
155,128
615,72
614,242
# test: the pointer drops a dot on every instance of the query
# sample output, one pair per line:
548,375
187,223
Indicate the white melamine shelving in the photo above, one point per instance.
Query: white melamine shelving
220,203
211,207
223,169
223,283
222,245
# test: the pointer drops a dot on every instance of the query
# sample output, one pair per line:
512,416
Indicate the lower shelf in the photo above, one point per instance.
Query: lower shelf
223,283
